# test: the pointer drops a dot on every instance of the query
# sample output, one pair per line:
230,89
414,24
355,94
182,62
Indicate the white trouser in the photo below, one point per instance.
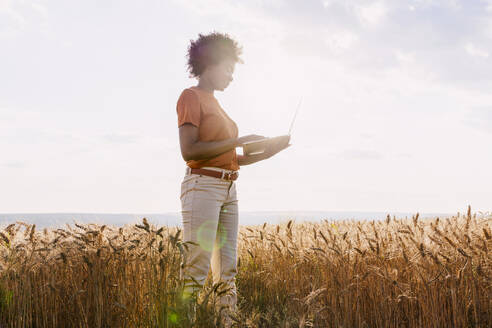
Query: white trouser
210,219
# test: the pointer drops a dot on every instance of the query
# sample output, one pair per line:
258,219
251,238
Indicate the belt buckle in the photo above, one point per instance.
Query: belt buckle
226,175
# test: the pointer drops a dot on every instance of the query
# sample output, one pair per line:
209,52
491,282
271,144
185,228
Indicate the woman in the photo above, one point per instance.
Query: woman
208,139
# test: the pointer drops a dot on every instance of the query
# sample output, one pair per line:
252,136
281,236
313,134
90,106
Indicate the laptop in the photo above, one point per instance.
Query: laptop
259,146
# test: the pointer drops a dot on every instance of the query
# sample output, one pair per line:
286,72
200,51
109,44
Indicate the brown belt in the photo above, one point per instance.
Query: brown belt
231,176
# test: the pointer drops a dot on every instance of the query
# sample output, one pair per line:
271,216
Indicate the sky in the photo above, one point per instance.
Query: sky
396,110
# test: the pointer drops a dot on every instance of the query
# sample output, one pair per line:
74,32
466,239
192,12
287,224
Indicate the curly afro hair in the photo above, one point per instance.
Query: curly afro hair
211,49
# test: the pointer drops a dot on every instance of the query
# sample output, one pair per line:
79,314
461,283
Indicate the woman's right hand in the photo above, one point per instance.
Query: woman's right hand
277,144
250,137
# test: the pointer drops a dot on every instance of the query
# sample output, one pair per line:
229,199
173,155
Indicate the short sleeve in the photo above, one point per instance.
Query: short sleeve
188,108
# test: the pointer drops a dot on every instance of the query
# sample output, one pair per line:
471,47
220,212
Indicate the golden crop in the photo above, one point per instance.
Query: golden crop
394,273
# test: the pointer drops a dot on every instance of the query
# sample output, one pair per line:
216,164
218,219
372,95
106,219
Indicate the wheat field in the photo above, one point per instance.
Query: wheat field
393,273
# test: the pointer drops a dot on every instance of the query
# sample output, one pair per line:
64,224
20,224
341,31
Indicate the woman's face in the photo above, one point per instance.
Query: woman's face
220,75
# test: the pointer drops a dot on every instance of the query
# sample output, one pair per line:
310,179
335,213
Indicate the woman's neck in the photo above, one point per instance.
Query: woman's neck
205,85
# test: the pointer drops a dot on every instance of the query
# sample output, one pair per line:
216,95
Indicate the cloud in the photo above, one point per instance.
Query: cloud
17,16
489,5
384,36
480,118
371,14
475,51
403,155
13,164
367,136
243,14
40,9
4,5
11,20
116,138
340,41
370,37
367,14
428,4
405,57
360,154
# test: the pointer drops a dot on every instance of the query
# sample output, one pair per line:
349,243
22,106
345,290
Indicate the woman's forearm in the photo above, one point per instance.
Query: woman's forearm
250,159
269,152
208,149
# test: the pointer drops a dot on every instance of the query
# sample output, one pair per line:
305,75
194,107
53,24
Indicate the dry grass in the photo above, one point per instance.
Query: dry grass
393,273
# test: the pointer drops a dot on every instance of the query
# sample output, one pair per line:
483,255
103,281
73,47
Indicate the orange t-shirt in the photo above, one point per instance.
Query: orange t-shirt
202,109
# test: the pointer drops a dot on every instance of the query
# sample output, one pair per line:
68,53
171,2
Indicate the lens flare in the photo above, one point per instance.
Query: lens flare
173,317
208,233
